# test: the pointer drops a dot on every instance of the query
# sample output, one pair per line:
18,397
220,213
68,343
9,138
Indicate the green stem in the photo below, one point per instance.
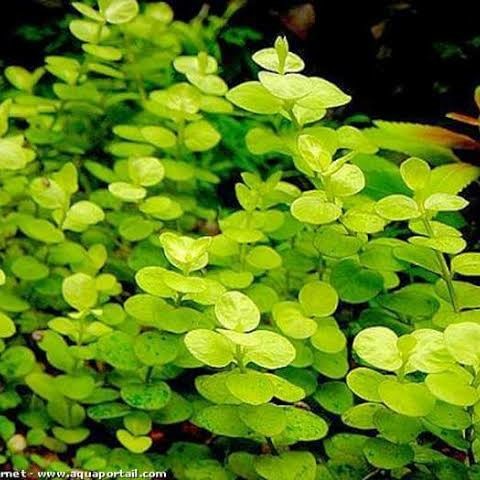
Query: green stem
148,375
180,139
446,274
372,474
239,358
136,77
272,446
243,255
293,118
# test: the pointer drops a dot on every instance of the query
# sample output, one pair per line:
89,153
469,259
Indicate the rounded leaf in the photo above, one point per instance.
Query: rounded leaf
209,347
462,341
252,387
410,399
235,311
79,291
145,171
378,347
384,454
415,173
151,396
397,208
318,299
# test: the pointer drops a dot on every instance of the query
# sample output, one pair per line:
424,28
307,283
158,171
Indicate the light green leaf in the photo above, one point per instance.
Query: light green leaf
134,444
79,291
287,466
12,155
119,11
395,427
271,350
264,258
387,455
251,387
117,349
361,416
287,87
397,208
127,192
29,268
267,420
364,383
75,387
318,299
292,322
462,341
7,327
210,347
410,399
145,171
415,173
254,97
268,58
200,136
378,347
347,181
312,207
328,338
466,264
445,202
323,95
222,420
314,153
236,311
452,387
161,137
302,426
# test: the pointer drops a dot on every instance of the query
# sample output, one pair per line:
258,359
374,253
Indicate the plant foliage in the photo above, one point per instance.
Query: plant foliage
327,328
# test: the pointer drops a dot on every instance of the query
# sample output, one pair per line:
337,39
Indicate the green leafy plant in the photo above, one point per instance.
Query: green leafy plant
323,329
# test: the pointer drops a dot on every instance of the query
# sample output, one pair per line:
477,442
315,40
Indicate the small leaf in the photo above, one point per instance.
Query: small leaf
378,347
397,208
79,291
119,11
384,454
466,264
318,299
415,173
462,341
355,284
236,311
152,396
209,347
132,443
410,399
254,97
452,387
145,171
251,387
445,202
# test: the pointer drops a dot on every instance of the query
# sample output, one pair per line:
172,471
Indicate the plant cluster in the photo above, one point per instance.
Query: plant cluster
325,329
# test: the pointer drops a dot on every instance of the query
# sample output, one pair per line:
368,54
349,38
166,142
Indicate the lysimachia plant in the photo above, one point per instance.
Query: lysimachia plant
324,329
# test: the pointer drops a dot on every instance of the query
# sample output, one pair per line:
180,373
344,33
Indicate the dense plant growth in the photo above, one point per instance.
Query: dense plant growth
327,328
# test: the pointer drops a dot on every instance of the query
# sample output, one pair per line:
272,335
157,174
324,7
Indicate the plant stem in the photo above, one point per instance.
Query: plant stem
371,474
446,274
272,446
239,358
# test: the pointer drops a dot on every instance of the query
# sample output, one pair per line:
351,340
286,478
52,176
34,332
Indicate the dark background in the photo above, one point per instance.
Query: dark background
404,60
